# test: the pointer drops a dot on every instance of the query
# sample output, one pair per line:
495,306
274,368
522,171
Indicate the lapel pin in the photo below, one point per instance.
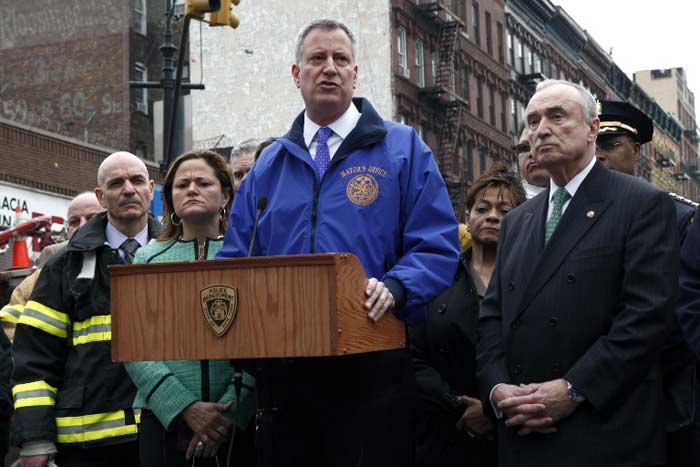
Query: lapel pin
590,214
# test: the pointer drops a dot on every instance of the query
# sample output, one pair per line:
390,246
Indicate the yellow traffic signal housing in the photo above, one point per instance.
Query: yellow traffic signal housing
225,16
197,8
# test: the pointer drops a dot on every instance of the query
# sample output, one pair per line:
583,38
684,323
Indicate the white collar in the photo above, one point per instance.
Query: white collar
531,190
574,184
341,127
115,238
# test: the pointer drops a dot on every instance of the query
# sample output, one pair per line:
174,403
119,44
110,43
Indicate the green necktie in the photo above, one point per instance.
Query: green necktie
560,197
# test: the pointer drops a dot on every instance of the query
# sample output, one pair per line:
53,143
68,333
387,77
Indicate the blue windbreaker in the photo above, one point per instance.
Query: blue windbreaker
382,198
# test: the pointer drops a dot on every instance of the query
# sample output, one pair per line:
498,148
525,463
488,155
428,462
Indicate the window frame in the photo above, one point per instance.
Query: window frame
141,17
141,74
420,62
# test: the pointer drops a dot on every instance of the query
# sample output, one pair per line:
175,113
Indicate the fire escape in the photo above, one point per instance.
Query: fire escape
450,105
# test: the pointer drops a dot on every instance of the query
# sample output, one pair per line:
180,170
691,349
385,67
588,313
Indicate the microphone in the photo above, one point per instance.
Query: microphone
262,204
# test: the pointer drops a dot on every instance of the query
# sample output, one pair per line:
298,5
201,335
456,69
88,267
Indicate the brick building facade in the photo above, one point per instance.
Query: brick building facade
670,89
46,168
451,83
65,67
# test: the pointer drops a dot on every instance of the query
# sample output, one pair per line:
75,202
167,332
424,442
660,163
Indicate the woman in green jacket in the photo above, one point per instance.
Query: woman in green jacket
192,408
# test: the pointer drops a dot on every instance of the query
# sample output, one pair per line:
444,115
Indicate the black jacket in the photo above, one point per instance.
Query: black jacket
63,360
443,347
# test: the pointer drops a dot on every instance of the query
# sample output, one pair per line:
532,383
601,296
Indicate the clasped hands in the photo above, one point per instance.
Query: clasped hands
210,426
536,407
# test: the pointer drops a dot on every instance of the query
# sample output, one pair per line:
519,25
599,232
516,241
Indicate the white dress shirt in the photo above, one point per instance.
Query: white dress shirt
115,238
571,187
341,129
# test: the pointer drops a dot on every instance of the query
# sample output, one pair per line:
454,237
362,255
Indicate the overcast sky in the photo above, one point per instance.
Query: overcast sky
644,34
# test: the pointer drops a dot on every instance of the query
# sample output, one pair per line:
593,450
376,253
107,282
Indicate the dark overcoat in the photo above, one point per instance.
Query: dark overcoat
593,306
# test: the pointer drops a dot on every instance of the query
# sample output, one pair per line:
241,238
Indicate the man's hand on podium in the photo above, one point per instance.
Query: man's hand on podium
379,299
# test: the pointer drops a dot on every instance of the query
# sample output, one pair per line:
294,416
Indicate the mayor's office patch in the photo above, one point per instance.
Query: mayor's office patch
362,189
219,306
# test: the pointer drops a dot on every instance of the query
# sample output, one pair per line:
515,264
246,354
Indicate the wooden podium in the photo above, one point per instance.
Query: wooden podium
286,306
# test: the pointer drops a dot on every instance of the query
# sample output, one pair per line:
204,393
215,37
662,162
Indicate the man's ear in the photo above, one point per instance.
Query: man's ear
295,74
593,129
100,197
636,150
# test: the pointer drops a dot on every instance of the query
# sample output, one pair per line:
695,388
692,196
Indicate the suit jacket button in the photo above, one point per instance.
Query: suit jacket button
553,321
442,308
570,279
516,370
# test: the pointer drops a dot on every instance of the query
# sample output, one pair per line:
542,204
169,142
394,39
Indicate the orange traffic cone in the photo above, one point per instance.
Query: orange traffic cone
20,255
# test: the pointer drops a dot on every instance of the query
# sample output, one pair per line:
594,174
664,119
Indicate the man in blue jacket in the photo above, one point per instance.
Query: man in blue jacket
344,180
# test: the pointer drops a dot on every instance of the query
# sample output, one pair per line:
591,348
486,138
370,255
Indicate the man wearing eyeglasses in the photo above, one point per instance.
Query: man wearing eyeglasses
623,130
535,178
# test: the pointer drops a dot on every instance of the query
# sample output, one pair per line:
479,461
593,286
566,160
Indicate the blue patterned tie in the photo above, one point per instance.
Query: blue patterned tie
323,155
560,197
129,247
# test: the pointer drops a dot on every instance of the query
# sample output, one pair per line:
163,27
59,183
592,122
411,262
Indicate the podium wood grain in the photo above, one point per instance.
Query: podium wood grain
288,306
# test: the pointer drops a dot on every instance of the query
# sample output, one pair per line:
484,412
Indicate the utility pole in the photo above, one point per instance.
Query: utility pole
221,14
171,84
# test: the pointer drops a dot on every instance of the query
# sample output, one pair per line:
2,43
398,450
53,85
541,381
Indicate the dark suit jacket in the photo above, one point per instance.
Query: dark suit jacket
689,303
593,306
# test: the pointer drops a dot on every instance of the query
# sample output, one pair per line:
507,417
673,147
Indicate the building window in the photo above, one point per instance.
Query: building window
492,106
434,61
462,10
141,74
538,64
499,42
140,19
475,23
403,61
482,159
403,119
503,113
479,98
455,161
464,83
511,50
420,64
487,28
423,133
469,160
514,117
521,57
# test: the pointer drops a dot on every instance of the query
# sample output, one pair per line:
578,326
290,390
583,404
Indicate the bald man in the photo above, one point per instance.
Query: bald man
71,401
80,210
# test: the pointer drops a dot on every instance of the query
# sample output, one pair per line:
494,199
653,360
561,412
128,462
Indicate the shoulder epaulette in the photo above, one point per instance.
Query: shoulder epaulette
683,200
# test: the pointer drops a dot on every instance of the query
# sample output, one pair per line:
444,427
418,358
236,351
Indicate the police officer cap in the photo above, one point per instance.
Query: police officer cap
622,118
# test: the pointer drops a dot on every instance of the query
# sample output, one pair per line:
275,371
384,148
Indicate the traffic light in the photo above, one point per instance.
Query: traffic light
224,16
197,8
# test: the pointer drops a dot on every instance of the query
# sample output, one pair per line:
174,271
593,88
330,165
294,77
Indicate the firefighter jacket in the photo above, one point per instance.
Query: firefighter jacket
66,387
